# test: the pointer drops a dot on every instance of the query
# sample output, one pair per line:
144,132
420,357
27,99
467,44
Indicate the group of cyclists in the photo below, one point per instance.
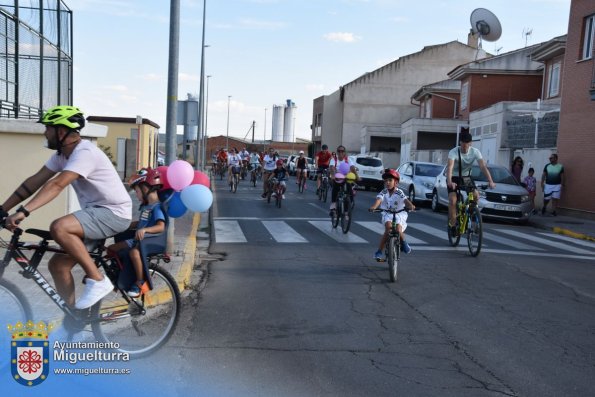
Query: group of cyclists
328,164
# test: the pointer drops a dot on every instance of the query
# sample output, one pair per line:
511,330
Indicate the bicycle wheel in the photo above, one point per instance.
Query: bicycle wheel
336,215
269,194
346,215
324,192
14,306
392,257
142,330
474,231
235,183
279,198
301,184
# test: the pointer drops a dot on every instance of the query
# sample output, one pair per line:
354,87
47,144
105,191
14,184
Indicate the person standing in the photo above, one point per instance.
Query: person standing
531,185
517,168
552,182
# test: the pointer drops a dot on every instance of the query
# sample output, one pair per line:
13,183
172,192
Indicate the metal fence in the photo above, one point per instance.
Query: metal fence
35,57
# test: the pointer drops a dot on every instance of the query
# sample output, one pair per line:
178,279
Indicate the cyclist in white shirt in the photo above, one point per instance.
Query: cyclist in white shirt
254,161
459,173
269,166
233,160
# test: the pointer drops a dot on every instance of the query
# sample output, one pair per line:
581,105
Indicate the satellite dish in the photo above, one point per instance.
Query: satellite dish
485,24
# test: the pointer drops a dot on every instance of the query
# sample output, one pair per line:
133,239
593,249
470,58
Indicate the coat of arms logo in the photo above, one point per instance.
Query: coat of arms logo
29,352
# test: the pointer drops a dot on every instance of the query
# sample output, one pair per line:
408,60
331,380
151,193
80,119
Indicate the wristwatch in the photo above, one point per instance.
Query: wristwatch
23,210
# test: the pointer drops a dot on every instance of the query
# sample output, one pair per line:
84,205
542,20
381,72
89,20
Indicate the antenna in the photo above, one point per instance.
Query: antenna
485,24
497,49
527,32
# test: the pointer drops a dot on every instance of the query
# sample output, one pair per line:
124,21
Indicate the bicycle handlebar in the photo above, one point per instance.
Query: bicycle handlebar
391,210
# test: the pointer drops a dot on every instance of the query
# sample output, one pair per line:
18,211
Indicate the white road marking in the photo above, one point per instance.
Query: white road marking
229,232
336,234
546,242
283,233
379,229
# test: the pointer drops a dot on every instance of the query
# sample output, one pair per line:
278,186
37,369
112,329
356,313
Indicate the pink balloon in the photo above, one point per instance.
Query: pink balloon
163,173
200,178
180,174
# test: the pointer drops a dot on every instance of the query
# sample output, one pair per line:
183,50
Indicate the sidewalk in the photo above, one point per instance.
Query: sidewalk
183,257
570,226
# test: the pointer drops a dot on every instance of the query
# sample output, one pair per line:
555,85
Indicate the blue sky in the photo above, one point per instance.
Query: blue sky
263,52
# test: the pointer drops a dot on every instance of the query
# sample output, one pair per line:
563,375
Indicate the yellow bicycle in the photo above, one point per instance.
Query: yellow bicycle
468,220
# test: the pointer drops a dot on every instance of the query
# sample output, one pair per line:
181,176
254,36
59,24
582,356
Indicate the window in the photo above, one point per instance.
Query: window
588,34
464,94
554,80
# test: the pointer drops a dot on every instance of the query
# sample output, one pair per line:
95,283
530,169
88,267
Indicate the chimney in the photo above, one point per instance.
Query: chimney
472,40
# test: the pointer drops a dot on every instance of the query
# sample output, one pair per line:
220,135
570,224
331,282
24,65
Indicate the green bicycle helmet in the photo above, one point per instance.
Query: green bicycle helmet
68,116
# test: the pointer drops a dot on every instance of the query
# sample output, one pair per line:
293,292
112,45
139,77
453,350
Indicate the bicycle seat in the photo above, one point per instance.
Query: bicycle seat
44,234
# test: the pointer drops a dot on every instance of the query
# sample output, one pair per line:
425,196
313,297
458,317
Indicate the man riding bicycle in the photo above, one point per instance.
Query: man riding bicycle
464,156
322,161
106,207
221,159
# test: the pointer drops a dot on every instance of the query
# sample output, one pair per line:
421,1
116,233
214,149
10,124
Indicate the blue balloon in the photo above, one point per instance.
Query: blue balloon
164,194
176,207
197,198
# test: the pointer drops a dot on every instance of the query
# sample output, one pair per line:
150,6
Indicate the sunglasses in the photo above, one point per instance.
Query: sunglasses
340,151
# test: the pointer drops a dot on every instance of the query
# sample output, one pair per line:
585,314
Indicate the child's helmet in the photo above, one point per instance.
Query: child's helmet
279,162
150,176
390,173
339,178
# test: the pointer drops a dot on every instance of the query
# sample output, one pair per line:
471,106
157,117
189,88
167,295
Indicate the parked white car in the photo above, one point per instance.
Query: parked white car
507,201
370,170
417,179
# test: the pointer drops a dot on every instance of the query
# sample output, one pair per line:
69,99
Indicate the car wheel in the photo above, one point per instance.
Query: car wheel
412,194
435,204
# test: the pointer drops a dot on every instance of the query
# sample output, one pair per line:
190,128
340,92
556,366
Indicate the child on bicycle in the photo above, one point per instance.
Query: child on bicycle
280,173
146,183
392,197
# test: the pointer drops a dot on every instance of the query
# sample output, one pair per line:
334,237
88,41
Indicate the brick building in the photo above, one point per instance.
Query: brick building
576,137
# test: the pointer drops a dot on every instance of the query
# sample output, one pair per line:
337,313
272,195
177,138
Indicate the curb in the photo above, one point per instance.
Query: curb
570,233
185,273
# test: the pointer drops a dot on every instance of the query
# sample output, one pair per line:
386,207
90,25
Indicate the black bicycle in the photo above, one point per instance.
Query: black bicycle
137,326
392,248
343,210
324,186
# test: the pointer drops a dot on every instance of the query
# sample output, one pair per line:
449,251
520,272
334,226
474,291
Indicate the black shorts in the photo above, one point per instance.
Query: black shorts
465,184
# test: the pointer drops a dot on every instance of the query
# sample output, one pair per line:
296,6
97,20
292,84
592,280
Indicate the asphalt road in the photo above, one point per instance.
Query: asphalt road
289,307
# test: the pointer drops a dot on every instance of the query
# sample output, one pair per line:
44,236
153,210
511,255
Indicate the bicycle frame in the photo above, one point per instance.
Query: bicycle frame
29,267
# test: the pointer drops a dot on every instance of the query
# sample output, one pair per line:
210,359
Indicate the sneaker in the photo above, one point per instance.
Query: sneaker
283,196
405,247
333,213
378,255
554,213
274,195
94,291
138,289
264,195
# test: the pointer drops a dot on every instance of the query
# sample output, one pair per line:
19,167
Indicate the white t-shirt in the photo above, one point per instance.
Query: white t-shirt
333,163
234,159
466,158
254,158
269,162
99,183
392,201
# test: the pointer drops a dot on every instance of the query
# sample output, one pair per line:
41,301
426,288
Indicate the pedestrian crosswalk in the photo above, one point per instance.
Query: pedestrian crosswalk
422,236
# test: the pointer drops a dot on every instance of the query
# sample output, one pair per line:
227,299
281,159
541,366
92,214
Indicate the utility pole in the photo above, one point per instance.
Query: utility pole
201,94
172,83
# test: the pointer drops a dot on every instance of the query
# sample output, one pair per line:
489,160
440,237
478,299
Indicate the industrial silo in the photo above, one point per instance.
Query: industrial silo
277,124
289,122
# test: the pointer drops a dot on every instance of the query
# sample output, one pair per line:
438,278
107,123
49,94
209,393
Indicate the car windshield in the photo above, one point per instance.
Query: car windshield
369,162
427,169
499,175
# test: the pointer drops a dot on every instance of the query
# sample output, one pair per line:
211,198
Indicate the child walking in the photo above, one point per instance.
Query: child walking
146,183
531,186
392,197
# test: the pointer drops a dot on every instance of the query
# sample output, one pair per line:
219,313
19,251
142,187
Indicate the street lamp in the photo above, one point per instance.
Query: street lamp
227,136
264,130
205,132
